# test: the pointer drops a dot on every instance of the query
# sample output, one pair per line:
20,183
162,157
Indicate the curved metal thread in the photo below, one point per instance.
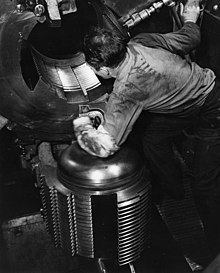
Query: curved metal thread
71,224
55,220
133,224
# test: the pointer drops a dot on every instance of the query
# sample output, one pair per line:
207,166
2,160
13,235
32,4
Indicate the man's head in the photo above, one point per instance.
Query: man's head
104,48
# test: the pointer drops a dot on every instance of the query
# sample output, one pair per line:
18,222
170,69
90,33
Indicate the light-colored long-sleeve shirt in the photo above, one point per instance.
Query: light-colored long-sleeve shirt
153,77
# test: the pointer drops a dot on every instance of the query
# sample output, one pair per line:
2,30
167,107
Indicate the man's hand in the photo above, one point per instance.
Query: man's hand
96,117
82,124
96,142
87,121
190,12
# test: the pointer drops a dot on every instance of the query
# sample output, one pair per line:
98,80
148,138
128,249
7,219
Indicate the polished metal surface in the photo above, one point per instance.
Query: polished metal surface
69,78
98,208
79,169
132,223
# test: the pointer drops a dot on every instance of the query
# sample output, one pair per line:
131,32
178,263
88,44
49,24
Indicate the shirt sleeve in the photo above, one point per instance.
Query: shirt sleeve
121,114
180,42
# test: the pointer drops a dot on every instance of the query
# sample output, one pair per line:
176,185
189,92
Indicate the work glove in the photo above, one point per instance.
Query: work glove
95,141
190,11
82,124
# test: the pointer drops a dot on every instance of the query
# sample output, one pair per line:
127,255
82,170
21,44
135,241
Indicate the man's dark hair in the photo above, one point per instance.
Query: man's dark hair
104,48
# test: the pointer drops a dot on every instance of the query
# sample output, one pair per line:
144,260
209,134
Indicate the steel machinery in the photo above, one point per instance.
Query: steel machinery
96,208
45,82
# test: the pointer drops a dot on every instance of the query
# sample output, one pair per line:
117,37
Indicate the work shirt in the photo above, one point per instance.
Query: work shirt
156,77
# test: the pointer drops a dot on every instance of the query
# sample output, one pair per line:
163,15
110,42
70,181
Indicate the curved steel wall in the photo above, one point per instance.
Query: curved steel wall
27,100
100,221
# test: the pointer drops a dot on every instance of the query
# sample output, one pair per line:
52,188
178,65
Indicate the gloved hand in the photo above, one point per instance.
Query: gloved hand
190,12
98,141
96,117
82,124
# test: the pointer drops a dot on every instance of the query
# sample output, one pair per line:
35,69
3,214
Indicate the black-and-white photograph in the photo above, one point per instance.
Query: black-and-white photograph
109,136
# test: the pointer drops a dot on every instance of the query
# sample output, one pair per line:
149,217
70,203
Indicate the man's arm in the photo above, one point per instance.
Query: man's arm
179,42
104,141
96,142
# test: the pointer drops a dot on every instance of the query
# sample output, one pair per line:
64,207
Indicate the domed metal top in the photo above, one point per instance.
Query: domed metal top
77,168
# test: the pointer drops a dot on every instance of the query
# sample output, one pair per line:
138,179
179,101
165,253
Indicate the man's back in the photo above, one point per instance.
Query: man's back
162,81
